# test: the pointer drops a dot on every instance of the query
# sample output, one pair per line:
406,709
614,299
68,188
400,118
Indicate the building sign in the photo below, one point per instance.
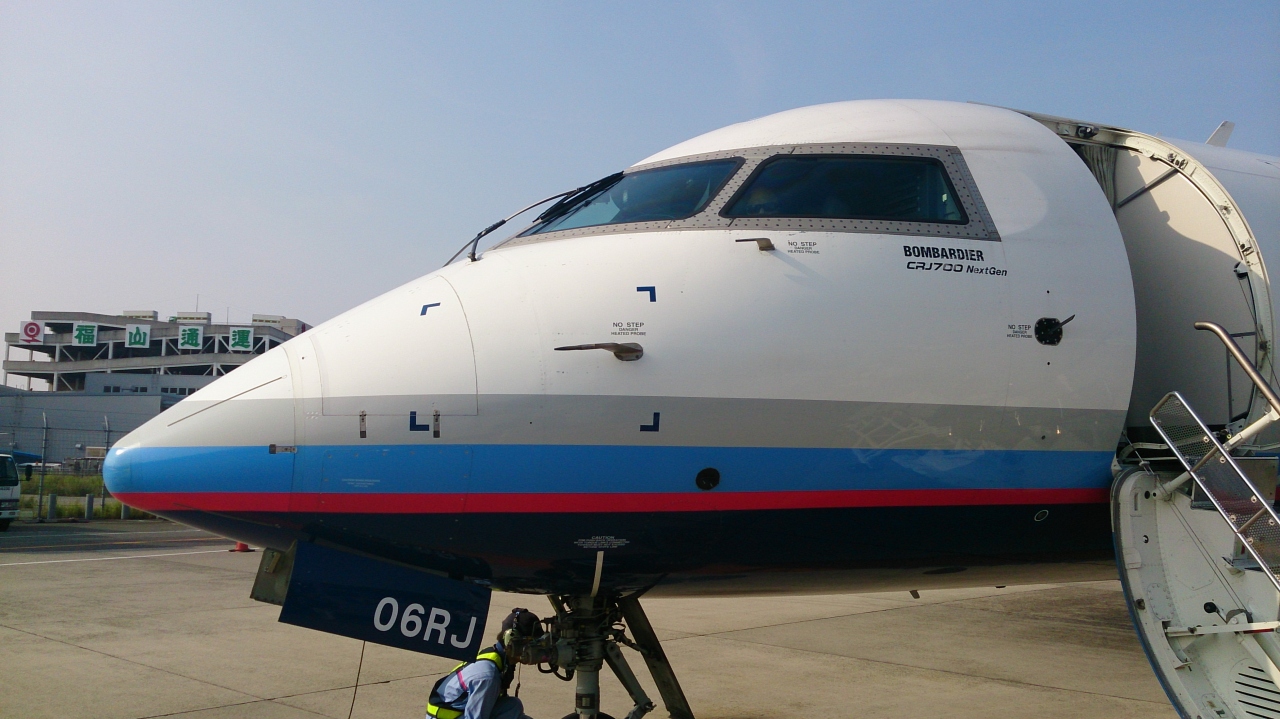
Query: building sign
241,338
137,336
84,334
191,337
32,333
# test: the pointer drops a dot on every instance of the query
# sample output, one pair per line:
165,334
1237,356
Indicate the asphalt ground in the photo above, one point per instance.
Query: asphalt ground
151,619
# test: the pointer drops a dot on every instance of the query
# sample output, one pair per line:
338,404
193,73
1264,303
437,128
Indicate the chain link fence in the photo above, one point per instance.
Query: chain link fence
69,482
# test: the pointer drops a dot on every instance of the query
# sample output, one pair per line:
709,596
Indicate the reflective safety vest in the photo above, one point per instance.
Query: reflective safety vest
440,709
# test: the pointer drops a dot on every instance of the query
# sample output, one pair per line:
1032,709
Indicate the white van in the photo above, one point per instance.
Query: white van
10,491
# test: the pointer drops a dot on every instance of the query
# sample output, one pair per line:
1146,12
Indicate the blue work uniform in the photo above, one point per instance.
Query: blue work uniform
474,691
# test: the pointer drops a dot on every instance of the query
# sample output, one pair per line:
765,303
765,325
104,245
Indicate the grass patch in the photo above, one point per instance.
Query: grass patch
65,485
73,507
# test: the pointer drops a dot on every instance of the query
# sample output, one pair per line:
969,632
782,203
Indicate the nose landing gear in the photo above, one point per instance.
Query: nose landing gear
587,633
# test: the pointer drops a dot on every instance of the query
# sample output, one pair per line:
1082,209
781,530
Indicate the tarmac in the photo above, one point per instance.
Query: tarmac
151,619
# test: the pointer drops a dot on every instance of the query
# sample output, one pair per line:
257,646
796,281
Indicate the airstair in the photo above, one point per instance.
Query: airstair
1198,541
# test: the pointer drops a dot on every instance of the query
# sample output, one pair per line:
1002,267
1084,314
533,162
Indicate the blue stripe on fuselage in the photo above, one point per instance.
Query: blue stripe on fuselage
591,469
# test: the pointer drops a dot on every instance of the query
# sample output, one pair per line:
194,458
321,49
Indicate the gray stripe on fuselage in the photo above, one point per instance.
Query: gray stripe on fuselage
718,422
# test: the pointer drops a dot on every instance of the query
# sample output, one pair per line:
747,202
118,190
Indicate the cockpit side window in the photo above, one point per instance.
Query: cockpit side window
675,192
849,187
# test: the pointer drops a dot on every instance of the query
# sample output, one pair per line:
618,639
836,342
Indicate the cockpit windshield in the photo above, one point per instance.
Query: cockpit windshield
873,187
665,193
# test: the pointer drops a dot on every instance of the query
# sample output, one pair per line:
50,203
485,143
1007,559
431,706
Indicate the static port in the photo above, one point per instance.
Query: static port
707,479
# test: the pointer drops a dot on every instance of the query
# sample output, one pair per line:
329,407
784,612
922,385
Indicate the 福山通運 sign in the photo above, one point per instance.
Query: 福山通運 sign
190,337
84,334
137,336
31,333
240,338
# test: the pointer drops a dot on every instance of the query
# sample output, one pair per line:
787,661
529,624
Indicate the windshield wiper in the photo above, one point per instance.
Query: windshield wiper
572,200
568,202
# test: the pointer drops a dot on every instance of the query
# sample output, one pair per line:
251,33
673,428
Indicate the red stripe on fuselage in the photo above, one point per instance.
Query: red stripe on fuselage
546,503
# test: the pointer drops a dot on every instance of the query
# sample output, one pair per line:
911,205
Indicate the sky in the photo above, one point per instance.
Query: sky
300,158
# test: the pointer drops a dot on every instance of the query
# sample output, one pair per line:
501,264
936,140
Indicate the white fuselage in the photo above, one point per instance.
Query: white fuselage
866,390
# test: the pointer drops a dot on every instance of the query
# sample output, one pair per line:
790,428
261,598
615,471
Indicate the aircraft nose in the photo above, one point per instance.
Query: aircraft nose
214,450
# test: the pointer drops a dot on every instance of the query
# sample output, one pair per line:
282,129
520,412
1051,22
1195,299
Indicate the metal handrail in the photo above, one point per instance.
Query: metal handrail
1225,484
1165,490
1244,362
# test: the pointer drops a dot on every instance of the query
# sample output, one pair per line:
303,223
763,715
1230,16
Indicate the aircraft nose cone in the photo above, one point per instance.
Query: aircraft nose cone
117,470
213,450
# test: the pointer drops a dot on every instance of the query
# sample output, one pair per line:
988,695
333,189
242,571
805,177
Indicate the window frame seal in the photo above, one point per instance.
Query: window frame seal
979,227
764,164
715,193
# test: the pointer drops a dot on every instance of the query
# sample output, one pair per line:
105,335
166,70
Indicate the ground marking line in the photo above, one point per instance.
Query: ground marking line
904,605
205,709
201,710
713,635
112,533
109,544
999,680
132,661
722,635
917,667
107,559
273,700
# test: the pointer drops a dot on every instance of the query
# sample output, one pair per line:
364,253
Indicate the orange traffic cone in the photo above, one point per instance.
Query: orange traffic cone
240,547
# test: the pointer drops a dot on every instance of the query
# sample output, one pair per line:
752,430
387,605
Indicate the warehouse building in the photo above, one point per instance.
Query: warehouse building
108,374
74,347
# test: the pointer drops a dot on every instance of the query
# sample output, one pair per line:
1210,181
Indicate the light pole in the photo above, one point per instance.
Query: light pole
44,450
106,428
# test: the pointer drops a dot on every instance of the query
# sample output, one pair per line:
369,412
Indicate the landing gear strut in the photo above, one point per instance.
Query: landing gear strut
586,634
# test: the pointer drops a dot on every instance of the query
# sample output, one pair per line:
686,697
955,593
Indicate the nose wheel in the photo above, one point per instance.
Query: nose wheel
589,633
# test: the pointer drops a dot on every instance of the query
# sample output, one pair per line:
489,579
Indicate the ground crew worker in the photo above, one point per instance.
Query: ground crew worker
478,689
